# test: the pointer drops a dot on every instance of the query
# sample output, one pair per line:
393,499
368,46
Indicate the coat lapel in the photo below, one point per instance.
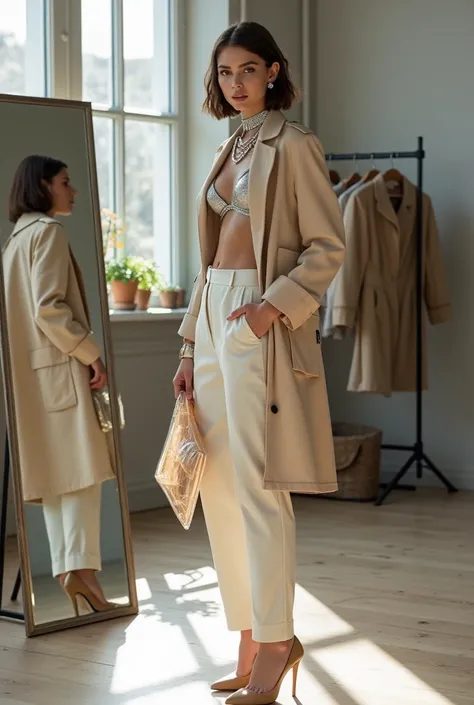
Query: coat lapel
260,171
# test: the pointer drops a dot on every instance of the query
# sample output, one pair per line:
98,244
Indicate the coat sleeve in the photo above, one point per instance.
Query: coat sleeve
349,279
436,286
49,279
298,295
188,326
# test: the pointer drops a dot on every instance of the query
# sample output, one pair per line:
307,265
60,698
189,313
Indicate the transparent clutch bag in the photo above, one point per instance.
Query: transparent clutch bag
182,462
101,399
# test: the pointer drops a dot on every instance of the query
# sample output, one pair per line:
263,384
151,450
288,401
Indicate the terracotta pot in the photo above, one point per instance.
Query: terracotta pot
142,299
168,299
180,298
123,295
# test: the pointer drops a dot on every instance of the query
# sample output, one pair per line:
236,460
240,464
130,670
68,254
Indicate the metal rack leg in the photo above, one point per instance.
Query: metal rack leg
439,474
395,480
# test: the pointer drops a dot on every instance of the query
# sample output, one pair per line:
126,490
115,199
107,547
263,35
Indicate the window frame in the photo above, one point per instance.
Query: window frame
65,38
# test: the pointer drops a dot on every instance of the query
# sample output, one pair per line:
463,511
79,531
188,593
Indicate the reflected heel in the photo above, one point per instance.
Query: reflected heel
75,603
75,587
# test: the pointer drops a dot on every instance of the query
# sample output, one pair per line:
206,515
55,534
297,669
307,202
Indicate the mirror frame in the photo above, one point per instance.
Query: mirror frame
31,628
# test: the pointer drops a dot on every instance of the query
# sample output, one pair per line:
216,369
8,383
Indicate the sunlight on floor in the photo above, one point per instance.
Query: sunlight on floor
182,641
143,589
363,670
315,621
203,577
154,653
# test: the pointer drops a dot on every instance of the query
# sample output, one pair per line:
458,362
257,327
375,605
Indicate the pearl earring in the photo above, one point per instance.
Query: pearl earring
270,85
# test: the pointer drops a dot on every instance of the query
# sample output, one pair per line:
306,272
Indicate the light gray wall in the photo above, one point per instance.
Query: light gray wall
284,21
385,73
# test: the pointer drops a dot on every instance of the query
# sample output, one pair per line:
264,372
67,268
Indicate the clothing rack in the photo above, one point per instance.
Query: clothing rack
418,455
3,537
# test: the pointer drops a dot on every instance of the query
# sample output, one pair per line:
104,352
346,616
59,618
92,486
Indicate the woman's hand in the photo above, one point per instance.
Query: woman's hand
99,375
183,379
260,317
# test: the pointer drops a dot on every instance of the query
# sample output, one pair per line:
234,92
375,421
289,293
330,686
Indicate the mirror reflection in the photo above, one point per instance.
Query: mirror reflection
72,524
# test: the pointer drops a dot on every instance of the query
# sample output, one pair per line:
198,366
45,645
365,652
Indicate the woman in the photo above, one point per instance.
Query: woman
271,240
56,364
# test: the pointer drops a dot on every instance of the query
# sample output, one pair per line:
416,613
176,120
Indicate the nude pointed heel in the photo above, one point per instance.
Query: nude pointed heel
231,683
295,677
75,587
248,697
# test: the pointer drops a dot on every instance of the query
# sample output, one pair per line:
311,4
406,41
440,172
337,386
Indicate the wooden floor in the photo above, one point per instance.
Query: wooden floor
384,607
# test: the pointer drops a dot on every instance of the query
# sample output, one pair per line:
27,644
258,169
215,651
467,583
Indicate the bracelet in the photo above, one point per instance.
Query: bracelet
187,351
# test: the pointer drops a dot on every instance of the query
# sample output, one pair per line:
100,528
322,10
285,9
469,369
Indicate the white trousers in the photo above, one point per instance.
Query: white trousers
251,530
73,527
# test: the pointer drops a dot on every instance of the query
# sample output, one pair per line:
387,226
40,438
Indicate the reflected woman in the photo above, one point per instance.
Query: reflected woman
64,455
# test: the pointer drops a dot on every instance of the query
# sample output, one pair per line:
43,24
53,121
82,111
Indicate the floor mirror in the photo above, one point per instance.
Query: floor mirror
49,421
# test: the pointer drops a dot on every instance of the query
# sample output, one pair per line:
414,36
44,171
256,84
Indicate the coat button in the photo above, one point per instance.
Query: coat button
274,409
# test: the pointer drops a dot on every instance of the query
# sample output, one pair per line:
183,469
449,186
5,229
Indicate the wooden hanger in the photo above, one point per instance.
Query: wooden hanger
393,175
352,179
334,176
371,174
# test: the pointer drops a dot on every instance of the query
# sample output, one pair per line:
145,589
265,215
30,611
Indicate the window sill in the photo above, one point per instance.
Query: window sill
153,314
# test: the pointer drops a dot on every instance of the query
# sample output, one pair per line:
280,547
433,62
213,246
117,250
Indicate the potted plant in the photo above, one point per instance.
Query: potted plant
181,293
122,275
148,279
169,296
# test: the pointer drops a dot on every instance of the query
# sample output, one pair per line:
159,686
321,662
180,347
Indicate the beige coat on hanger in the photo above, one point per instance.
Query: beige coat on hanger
299,246
61,446
374,292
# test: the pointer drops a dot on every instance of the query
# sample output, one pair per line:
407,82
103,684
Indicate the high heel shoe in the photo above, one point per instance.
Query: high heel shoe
75,587
231,683
248,697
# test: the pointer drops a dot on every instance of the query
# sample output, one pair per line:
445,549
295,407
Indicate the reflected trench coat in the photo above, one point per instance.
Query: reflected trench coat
61,446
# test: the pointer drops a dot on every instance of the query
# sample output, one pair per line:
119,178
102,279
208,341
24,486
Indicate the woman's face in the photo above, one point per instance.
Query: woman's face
244,79
63,194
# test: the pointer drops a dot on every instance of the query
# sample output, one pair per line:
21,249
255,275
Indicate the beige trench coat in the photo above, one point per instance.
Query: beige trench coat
299,246
374,292
61,446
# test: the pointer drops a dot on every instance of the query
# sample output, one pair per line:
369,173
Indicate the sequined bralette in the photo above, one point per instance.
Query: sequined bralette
240,198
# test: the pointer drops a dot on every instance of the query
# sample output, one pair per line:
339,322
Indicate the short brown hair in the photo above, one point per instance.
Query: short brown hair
28,193
258,40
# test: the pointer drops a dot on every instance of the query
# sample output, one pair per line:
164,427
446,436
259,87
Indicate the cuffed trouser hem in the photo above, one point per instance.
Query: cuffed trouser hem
239,626
76,562
273,632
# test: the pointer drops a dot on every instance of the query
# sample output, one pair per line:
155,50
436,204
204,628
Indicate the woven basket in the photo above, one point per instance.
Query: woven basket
357,451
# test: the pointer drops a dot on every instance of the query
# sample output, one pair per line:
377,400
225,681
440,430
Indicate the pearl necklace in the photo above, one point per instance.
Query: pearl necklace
241,148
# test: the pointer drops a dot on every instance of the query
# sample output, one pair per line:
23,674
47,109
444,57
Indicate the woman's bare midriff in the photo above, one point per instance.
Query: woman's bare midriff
235,247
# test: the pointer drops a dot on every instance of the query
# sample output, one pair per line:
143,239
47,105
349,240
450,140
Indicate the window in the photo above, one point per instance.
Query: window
127,74
23,60
121,56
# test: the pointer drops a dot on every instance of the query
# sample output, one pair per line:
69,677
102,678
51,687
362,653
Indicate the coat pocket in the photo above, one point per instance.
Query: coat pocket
55,380
305,348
